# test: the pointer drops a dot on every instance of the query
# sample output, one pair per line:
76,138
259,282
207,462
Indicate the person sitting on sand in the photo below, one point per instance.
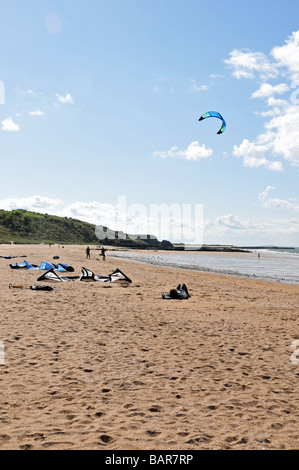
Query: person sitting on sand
181,292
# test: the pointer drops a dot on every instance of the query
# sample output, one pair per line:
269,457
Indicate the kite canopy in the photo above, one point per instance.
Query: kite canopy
25,265
44,267
117,276
87,275
215,114
51,275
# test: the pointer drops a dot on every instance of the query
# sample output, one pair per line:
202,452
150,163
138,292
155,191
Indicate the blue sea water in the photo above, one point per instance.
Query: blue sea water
281,265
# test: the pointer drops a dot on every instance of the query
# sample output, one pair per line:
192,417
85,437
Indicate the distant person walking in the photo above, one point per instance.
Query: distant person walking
88,253
103,253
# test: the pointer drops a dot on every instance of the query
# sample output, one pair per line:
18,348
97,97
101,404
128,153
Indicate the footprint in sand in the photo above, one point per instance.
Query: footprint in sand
155,409
153,433
105,438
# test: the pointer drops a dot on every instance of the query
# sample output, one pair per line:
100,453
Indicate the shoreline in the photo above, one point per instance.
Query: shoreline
133,256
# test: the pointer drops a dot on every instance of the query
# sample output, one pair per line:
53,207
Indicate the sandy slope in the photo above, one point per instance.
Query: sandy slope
94,367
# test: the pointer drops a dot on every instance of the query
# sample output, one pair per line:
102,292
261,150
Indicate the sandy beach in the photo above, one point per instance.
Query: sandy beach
100,366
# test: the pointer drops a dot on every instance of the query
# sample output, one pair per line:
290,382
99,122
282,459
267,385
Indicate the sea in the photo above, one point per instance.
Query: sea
277,265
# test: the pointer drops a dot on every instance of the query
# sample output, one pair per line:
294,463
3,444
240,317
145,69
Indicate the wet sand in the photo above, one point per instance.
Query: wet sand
96,366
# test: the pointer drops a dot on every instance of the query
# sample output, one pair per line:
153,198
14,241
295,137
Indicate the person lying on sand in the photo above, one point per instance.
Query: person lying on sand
181,292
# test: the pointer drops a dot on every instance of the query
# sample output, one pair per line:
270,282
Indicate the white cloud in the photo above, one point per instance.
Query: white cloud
230,229
281,132
253,154
34,204
264,194
194,152
38,112
282,60
285,137
277,106
31,93
9,125
288,55
280,137
93,212
216,76
276,203
266,90
229,221
246,64
28,92
67,99
164,222
196,88
173,225
277,102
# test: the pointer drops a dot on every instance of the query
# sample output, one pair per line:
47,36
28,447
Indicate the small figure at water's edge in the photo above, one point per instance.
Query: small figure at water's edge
103,253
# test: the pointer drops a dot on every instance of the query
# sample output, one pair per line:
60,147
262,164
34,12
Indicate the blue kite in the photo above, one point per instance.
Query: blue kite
214,114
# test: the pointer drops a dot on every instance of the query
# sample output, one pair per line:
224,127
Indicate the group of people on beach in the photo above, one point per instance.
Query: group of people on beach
103,253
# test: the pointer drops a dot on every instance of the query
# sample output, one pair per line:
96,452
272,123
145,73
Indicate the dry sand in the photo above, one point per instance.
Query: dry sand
94,367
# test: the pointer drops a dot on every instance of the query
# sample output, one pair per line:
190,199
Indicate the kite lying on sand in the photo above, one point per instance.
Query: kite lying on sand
117,276
43,267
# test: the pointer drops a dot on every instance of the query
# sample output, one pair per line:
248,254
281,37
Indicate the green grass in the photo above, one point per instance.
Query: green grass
21,226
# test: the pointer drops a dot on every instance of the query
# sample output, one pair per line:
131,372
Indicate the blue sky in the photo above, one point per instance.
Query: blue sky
101,99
